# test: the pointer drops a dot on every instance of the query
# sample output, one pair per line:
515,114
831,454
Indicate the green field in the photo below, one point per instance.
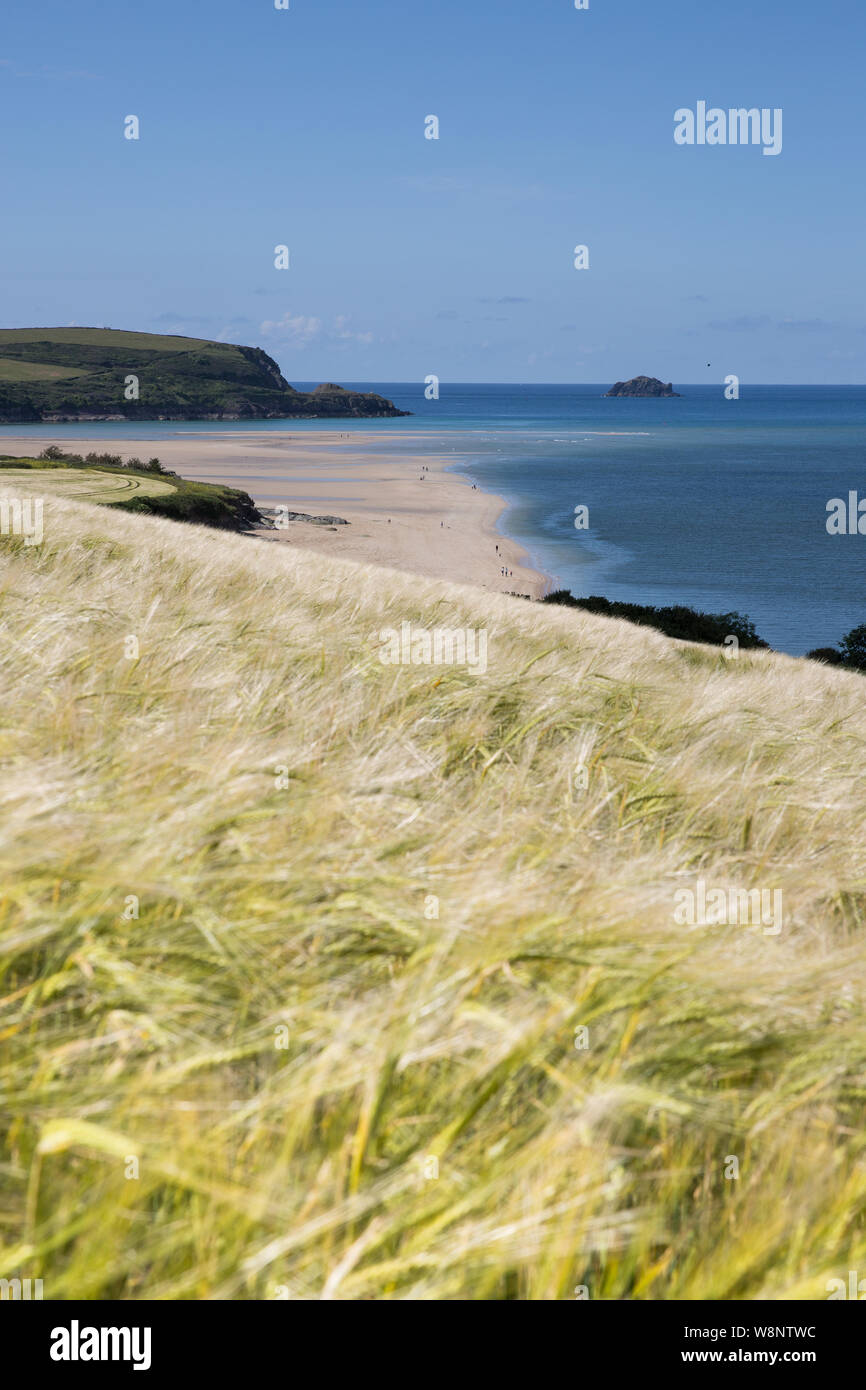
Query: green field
16,369
100,337
84,484
131,485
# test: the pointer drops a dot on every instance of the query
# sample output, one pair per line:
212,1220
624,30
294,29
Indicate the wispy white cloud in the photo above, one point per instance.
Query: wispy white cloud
299,330
292,328
348,334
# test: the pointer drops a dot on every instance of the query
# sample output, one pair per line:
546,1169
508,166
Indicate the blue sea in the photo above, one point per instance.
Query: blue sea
718,504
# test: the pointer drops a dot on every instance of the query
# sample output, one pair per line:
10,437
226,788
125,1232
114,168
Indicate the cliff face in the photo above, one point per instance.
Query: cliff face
642,386
57,374
259,358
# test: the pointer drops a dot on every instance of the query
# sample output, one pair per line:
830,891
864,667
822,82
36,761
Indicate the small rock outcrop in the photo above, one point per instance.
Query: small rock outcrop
642,386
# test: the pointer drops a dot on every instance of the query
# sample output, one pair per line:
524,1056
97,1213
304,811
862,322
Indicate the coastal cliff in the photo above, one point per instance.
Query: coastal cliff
57,374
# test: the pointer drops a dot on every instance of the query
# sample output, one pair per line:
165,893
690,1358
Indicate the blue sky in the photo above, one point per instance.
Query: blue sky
455,257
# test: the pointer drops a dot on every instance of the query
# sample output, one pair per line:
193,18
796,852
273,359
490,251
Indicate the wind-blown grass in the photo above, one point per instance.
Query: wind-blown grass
289,906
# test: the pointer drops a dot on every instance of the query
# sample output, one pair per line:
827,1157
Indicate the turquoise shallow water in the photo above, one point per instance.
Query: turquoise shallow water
714,503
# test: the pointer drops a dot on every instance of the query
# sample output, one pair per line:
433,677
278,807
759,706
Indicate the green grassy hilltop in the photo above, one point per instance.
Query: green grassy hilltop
54,374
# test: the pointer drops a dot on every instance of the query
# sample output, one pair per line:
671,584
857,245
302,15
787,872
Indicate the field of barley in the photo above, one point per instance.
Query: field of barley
328,979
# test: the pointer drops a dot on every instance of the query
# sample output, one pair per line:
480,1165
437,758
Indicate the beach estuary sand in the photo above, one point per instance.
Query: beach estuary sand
405,511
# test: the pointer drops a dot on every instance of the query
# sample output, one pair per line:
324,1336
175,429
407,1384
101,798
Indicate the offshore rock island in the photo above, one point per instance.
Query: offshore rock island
56,374
642,386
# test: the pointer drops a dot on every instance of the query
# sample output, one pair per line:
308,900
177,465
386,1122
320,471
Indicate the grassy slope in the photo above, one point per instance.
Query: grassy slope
86,484
208,504
97,337
13,369
300,1170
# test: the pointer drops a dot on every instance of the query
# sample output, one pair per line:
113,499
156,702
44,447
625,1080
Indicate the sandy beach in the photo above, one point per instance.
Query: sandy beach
406,512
